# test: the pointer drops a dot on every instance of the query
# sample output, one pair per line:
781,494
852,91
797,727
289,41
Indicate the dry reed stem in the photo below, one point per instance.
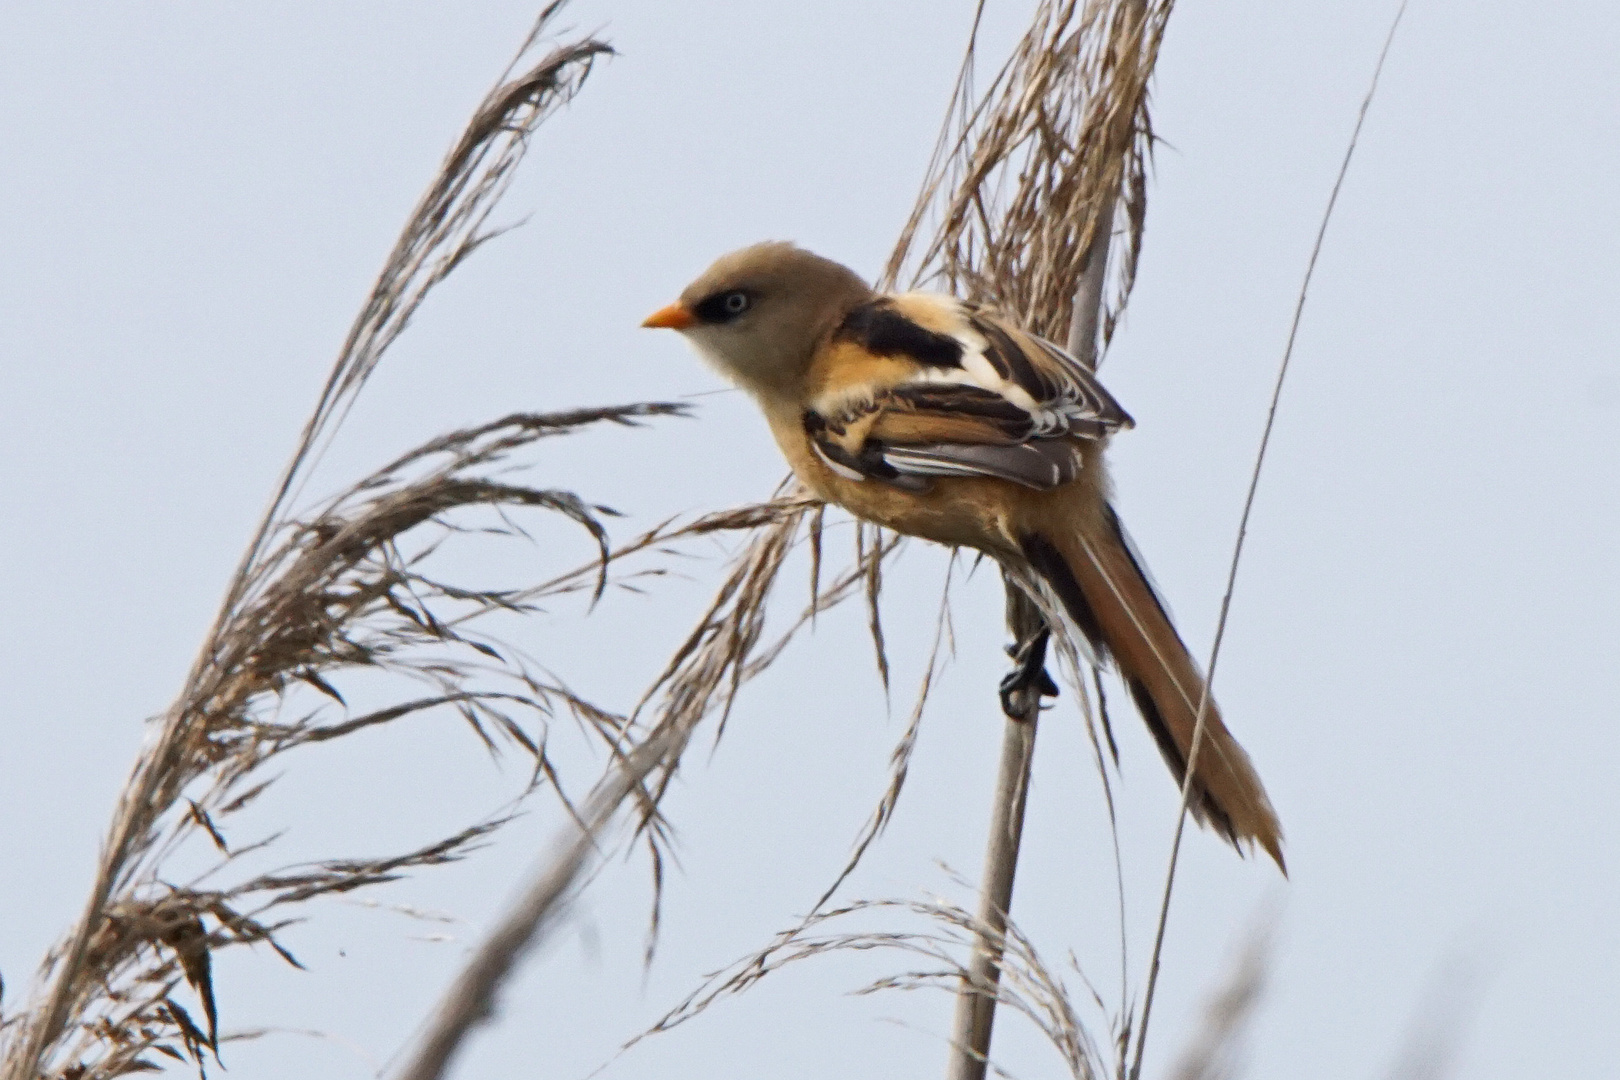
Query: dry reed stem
974,1025
900,757
343,588
1434,1035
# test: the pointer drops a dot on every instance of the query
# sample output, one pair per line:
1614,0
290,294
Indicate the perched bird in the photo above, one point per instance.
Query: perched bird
940,419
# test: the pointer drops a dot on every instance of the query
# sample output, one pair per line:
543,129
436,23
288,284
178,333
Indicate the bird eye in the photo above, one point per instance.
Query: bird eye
722,307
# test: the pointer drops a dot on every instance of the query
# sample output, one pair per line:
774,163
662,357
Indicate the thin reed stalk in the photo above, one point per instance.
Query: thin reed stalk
976,999
974,1023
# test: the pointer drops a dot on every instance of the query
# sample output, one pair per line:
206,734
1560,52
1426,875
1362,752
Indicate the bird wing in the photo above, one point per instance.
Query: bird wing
920,386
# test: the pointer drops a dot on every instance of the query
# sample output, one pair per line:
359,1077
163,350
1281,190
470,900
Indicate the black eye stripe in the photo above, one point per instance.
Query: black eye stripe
724,306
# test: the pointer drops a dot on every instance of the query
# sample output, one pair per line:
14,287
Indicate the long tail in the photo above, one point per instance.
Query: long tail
1106,593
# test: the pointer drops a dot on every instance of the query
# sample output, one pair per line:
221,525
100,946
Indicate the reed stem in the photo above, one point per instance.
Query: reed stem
976,1000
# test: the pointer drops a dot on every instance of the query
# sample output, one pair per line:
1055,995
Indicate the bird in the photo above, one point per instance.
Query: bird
942,419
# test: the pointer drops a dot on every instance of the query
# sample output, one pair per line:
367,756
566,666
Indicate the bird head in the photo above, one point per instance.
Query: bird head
758,314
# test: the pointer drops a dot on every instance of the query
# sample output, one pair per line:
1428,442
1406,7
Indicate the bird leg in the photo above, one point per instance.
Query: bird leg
1028,682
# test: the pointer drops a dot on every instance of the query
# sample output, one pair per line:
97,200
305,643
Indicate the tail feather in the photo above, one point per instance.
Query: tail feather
1107,594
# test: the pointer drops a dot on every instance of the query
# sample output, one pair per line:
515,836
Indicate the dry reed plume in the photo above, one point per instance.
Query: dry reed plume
1022,193
343,588
1029,984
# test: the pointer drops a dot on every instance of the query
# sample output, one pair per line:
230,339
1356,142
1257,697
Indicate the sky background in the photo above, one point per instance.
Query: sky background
1421,659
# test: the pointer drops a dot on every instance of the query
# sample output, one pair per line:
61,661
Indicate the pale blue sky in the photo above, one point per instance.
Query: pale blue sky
194,198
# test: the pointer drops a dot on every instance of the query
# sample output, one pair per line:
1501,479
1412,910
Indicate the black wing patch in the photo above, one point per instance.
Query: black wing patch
878,327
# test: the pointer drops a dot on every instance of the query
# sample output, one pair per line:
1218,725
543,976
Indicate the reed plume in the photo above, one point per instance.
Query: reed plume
322,593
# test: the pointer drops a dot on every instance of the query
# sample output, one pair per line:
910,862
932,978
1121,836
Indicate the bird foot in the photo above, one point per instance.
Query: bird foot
1028,682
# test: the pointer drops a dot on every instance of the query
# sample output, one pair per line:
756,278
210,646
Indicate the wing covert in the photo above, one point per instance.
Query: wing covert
975,397
1063,393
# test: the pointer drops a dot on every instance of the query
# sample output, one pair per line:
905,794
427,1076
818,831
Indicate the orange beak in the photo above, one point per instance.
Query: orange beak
673,317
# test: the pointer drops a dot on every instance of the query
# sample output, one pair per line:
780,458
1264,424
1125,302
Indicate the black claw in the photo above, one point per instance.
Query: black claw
1029,676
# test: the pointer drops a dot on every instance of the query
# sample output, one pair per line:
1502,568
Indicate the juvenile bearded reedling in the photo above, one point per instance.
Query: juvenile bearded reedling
940,419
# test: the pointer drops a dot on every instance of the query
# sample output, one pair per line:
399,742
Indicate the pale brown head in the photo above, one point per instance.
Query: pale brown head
758,314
